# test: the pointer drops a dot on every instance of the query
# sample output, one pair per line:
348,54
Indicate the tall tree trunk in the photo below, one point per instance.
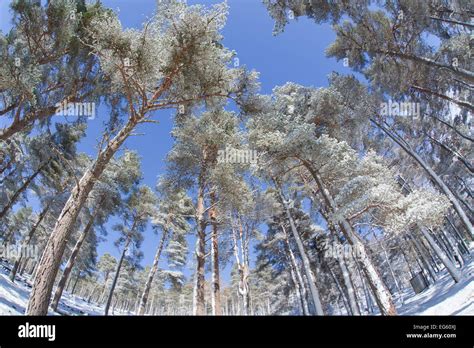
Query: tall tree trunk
460,238
431,173
387,259
22,189
243,287
50,261
423,257
453,271
341,291
297,290
454,245
117,273
244,240
198,298
381,293
102,295
304,257
73,290
301,286
71,261
151,274
27,239
215,293
351,295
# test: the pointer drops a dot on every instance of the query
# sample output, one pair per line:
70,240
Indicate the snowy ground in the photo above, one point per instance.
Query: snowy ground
443,298
14,297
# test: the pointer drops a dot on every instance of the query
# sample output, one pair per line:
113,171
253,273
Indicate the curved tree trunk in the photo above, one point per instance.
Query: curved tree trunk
50,261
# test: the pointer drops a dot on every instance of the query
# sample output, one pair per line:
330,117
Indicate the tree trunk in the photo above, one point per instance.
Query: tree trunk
27,239
117,273
454,245
243,287
431,173
151,274
424,258
351,295
215,293
453,271
460,238
297,291
71,261
387,259
306,264
300,284
50,261
22,189
381,293
73,290
198,298
341,291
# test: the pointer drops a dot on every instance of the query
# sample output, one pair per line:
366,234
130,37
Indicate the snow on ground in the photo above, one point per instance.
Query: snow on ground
14,297
445,297
442,298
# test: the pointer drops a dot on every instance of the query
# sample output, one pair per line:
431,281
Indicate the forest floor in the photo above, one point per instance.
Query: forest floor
442,298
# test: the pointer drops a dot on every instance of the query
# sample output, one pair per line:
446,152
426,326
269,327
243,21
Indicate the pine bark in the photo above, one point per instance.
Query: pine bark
198,298
215,294
50,261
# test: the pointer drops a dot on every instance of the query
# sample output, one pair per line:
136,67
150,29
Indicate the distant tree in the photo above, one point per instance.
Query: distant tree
140,206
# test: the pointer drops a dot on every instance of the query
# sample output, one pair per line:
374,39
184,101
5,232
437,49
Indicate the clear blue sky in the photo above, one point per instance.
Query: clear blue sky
296,55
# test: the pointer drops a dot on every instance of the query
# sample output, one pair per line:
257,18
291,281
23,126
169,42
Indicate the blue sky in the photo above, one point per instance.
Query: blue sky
296,55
